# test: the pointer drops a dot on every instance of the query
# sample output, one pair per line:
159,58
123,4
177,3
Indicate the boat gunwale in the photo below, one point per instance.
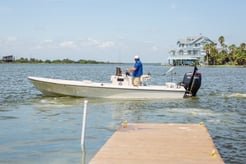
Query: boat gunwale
101,85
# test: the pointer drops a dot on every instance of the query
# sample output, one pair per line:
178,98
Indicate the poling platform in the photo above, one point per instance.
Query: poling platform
159,143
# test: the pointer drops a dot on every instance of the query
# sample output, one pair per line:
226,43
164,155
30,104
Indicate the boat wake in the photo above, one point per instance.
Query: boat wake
195,112
57,102
235,95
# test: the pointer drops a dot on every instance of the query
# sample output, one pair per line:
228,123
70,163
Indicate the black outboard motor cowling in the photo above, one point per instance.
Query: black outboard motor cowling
192,83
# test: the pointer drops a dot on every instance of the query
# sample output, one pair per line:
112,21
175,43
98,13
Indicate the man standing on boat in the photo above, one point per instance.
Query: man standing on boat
137,71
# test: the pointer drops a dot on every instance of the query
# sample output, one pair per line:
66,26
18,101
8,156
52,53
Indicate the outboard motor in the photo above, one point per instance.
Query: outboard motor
192,82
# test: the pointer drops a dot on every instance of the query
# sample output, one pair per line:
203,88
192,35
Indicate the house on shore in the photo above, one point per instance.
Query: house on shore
8,59
189,51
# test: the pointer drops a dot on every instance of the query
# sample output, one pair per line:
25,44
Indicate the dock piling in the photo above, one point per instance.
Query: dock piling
83,126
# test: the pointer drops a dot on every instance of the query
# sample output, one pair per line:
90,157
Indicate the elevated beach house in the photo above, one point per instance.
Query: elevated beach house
9,58
189,50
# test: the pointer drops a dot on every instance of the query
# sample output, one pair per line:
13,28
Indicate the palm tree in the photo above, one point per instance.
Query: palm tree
207,49
223,53
241,56
211,53
242,46
214,53
222,41
233,51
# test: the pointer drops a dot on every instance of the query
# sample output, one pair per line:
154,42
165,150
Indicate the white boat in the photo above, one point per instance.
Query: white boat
120,88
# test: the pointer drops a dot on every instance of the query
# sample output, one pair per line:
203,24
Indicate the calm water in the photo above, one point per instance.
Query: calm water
38,129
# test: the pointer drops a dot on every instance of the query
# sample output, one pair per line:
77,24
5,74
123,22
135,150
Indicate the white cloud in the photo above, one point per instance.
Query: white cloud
106,44
8,39
74,44
11,38
44,44
89,42
155,48
119,50
92,42
68,44
47,41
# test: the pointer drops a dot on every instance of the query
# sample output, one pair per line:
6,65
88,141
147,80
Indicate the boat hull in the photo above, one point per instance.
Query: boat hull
58,87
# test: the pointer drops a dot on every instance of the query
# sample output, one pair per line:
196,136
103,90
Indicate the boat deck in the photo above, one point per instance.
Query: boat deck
159,143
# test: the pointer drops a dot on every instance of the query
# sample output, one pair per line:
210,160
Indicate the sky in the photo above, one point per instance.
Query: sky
114,30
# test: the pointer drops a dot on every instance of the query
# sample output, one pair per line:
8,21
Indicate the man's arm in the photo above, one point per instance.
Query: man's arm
131,69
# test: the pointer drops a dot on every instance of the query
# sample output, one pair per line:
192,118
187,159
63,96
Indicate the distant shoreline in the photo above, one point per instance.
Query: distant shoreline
57,61
83,61
64,61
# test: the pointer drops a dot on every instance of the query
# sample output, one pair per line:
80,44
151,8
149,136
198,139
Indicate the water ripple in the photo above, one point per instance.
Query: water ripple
38,129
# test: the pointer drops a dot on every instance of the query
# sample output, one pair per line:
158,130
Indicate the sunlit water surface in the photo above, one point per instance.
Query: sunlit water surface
39,129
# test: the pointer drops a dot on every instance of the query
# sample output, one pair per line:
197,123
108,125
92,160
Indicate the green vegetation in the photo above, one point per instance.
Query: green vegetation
58,61
225,55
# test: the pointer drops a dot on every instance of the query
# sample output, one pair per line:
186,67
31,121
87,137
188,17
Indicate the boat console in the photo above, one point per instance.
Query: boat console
126,80
191,81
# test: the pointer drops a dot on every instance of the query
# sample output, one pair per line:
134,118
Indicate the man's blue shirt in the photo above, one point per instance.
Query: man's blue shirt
139,69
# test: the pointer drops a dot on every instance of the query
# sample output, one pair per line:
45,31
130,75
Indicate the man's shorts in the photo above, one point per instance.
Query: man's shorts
136,81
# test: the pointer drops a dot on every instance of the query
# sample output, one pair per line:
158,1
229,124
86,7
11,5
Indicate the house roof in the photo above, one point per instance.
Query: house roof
194,39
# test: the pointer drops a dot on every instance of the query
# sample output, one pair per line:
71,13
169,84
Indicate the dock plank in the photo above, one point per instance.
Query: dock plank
159,143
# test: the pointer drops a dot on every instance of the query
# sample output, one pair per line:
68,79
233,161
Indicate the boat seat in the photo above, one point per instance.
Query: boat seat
118,71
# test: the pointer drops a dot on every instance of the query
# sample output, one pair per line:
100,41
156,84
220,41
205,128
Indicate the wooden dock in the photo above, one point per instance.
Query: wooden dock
159,143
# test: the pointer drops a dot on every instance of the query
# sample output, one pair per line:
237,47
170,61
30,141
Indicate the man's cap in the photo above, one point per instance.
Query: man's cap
136,57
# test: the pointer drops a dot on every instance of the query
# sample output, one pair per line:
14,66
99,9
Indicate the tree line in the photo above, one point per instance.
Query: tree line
225,54
57,61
